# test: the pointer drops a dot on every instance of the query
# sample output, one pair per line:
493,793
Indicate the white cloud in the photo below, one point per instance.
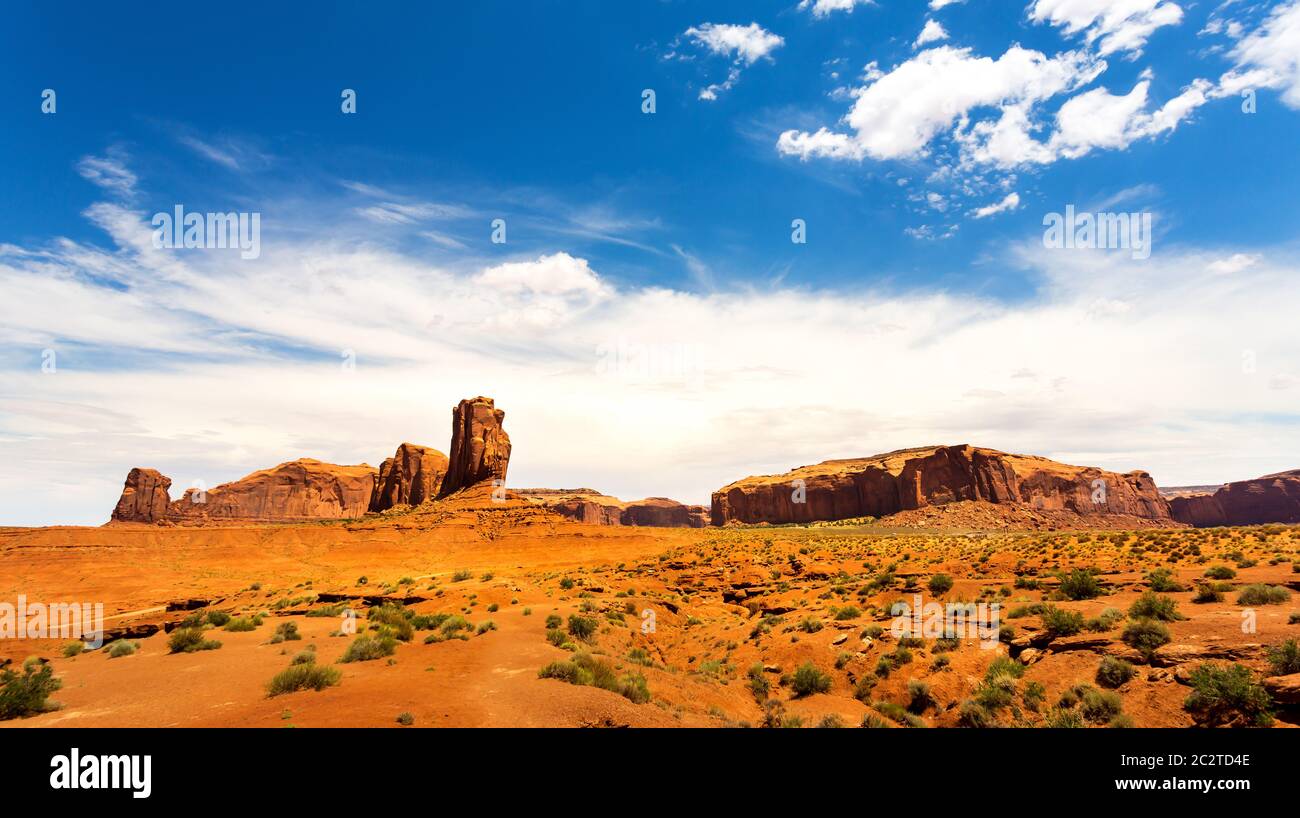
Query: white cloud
932,32
1010,202
935,5
897,115
1270,56
1112,25
823,8
1234,263
109,172
747,44
201,387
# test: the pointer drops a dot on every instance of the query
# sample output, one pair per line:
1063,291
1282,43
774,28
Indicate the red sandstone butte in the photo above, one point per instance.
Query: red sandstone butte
591,507
1274,498
144,497
915,478
480,447
411,476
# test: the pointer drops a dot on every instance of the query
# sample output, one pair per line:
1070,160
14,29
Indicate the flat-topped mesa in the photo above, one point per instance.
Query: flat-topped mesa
297,491
914,478
480,447
144,497
1274,498
411,476
591,507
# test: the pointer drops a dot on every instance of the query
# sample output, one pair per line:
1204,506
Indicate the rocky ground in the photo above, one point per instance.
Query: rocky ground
484,614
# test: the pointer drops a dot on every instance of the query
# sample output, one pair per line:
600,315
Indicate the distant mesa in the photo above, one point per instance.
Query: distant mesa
305,490
593,508
980,486
1273,498
911,479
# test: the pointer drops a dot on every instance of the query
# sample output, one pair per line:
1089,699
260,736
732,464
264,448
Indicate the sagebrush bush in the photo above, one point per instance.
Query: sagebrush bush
1222,696
1060,622
189,640
1080,584
1145,635
1260,594
27,694
1114,672
1284,659
808,679
303,676
1150,605
366,648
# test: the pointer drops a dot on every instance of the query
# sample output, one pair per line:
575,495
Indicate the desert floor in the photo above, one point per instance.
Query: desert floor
785,626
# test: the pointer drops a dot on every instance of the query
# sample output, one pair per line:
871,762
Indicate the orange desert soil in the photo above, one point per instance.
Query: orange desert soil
730,605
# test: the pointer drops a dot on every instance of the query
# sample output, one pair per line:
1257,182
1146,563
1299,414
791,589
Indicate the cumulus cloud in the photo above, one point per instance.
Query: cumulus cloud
1111,25
747,44
897,115
931,32
744,45
823,8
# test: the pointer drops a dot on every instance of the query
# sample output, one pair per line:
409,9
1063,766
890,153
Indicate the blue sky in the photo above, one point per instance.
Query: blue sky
923,307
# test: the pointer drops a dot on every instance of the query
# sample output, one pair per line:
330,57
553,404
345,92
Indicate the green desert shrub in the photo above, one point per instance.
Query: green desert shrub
27,694
217,618
1108,619
1261,594
367,647
1284,659
1227,696
1145,635
1113,672
583,627
1220,572
1080,584
189,640
241,624
73,648
1205,593
1060,622
808,679
1153,606
587,670
304,676
940,584
1162,580
122,647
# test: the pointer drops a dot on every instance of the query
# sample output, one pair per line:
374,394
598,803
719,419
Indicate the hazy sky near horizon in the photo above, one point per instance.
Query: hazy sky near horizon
648,324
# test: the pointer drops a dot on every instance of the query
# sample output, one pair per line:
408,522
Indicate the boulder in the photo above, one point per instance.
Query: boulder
1285,690
480,447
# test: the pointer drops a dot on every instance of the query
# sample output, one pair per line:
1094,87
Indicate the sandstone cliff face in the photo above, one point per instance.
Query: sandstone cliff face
411,476
1274,498
144,497
480,447
915,478
591,507
299,490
